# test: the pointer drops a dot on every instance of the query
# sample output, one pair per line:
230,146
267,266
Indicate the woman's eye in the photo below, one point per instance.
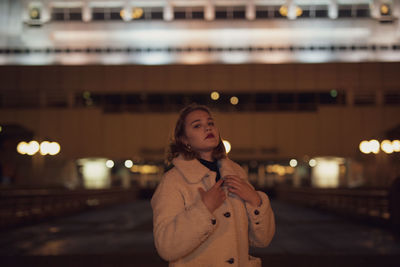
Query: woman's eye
196,126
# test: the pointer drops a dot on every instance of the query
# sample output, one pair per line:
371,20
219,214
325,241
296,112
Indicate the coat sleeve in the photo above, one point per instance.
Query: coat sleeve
261,222
177,229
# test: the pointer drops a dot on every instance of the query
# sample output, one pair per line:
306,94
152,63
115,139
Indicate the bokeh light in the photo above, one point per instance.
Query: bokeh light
374,146
214,95
227,146
293,163
128,163
386,146
234,100
109,163
312,163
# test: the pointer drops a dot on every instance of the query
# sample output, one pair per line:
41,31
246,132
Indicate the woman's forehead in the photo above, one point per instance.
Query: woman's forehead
198,115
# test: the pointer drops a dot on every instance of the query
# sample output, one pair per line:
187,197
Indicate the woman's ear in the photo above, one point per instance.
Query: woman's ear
184,140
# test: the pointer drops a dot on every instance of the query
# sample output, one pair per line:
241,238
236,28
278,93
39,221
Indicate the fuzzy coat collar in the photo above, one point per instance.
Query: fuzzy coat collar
194,171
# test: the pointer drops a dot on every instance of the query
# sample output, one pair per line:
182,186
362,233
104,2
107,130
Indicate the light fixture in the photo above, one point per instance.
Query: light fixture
365,147
234,100
137,12
44,148
109,163
384,9
227,146
299,11
312,163
387,147
283,10
214,95
374,146
128,163
34,13
32,148
293,163
396,145
22,148
54,148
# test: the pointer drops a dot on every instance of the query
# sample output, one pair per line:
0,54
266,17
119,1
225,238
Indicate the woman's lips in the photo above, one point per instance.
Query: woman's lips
209,136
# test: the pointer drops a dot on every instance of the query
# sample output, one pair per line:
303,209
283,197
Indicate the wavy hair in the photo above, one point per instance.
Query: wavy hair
177,147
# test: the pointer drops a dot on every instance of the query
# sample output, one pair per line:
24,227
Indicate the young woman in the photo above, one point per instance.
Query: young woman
205,212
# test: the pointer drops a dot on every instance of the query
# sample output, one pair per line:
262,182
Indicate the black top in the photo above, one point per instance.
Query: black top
212,166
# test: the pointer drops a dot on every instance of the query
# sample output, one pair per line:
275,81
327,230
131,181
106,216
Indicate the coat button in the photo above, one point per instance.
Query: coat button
256,212
257,223
231,261
227,214
213,221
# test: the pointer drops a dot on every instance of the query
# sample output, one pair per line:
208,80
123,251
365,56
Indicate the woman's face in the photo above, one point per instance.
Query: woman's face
200,132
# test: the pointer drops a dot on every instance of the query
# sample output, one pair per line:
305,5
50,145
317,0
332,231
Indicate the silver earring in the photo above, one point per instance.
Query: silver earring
188,147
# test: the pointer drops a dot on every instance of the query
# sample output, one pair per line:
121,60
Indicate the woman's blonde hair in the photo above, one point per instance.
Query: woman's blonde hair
177,147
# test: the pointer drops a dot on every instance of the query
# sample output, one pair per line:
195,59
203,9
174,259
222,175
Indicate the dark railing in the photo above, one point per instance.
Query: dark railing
23,206
370,204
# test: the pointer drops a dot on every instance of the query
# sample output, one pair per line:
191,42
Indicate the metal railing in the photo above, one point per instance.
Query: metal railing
369,204
24,206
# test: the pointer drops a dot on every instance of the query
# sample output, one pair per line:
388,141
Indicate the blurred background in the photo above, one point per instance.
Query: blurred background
306,94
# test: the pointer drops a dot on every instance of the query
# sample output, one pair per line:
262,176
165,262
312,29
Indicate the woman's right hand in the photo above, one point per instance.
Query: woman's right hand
214,197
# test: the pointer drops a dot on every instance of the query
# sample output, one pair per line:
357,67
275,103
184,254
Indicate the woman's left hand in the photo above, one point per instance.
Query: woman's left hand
241,188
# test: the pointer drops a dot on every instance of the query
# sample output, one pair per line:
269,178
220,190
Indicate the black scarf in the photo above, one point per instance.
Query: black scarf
212,166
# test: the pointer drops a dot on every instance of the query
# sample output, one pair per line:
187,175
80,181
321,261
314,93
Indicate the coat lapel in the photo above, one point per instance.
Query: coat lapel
192,170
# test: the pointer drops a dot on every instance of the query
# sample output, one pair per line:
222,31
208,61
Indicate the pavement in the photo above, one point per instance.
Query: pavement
122,236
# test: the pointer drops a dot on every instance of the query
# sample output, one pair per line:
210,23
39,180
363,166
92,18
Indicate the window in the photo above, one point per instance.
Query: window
230,12
106,13
188,13
66,14
345,11
391,98
262,12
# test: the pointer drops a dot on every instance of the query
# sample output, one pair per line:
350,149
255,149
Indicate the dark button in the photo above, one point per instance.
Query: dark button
256,212
213,221
231,261
227,214
257,223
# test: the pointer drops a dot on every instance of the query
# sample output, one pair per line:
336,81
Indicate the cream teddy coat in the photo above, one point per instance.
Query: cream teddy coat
186,233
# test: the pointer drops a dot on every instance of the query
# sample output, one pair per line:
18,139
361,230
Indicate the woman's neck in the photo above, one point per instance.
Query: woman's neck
206,156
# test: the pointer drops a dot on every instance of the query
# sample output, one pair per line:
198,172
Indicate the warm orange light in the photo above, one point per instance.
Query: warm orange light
137,13
32,148
384,9
227,146
214,95
283,10
299,11
234,100
364,147
386,146
396,145
22,148
374,146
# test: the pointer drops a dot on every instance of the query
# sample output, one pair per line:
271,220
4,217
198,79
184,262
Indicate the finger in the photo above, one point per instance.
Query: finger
201,190
234,178
235,191
231,177
218,184
234,183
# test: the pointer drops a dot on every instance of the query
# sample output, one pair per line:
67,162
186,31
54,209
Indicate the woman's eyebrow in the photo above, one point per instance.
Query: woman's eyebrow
194,121
208,119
